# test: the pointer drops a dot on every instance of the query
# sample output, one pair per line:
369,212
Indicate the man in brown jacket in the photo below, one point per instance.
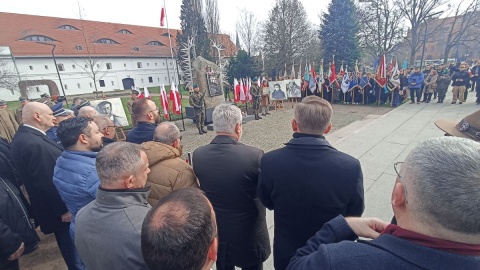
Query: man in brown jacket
8,124
168,171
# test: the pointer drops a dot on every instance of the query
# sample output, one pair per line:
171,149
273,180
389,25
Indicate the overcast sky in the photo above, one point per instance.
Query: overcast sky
147,12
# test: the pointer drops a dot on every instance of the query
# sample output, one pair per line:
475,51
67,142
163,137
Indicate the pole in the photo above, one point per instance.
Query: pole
391,99
56,67
175,71
424,42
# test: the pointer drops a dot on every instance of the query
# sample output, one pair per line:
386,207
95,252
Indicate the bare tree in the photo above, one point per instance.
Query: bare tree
381,22
464,27
91,64
417,13
212,17
247,29
8,76
286,35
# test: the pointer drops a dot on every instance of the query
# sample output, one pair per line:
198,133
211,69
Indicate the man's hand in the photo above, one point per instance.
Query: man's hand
366,227
17,253
67,217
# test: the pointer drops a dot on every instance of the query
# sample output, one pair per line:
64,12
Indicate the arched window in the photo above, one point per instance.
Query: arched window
38,38
67,27
125,31
155,43
136,49
106,41
166,35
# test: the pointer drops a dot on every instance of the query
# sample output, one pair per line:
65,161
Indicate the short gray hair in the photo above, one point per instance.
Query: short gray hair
86,112
443,177
226,117
102,121
313,115
166,133
118,160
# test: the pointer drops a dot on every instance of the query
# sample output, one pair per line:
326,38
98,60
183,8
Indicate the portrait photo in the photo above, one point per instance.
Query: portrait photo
278,90
113,108
293,88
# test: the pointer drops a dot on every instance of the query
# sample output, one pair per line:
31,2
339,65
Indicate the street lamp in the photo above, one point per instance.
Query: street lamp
425,34
56,67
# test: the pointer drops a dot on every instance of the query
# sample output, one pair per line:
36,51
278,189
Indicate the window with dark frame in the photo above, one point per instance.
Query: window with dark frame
102,83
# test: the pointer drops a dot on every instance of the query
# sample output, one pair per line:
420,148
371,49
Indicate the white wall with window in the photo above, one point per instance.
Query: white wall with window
111,75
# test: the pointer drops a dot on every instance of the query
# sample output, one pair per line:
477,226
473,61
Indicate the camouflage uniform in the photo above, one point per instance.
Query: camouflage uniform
196,100
255,92
18,115
129,108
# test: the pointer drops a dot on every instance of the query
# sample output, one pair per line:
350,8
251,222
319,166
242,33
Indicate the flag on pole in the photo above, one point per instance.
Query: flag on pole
394,80
293,70
364,81
236,91
381,76
313,76
300,70
342,72
247,86
405,64
164,101
175,98
146,93
162,17
242,92
320,74
285,76
333,74
390,65
345,81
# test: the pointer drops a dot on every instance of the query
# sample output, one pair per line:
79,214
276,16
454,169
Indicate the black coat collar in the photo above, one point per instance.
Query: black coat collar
303,140
38,133
224,139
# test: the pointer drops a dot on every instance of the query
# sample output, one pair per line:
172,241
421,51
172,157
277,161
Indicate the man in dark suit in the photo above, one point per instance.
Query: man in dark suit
146,114
308,182
34,155
228,174
437,227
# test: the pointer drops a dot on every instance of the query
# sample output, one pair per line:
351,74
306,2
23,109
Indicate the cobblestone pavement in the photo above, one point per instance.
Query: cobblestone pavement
268,134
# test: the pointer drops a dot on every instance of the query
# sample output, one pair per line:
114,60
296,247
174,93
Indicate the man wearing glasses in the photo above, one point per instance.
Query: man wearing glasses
168,171
146,113
435,200
106,127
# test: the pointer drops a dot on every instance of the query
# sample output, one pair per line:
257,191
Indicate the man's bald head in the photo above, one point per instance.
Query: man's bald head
38,115
87,111
166,133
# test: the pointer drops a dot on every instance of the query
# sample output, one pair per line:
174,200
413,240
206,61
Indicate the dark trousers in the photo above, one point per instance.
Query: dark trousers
68,250
417,92
477,89
428,97
9,265
231,267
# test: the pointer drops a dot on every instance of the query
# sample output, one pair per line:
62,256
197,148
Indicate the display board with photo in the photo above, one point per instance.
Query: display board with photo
278,90
293,88
113,108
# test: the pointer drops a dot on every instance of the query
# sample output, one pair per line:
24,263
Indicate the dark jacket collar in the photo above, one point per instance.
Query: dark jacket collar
303,140
120,198
146,124
23,128
107,141
224,139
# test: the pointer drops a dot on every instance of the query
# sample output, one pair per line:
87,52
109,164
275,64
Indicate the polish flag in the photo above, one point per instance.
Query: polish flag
162,17
249,84
175,98
164,101
146,93
236,91
242,91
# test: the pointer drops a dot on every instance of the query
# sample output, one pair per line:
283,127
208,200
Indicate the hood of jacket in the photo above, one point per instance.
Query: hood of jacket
157,152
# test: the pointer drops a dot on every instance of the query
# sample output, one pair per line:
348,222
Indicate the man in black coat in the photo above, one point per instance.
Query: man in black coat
308,182
228,174
34,155
147,117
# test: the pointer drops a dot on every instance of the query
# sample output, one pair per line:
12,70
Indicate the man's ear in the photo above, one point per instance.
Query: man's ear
128,182
398,195
176,143
294,125
212,250
329,127
82,138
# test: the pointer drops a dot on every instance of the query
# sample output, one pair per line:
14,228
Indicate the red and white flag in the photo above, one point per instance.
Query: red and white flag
242,91
162,17
342,72
236,91
175,98
249,85
164,101
146,94
381,76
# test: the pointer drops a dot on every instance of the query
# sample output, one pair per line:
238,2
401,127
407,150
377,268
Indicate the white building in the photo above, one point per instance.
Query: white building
118,55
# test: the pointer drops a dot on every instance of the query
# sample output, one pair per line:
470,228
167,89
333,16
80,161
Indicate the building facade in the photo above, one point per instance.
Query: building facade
89,55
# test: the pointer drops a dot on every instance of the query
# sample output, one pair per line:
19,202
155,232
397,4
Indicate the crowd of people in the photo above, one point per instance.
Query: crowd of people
139,205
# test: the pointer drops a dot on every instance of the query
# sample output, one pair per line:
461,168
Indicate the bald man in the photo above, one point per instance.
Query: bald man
87,111
34,155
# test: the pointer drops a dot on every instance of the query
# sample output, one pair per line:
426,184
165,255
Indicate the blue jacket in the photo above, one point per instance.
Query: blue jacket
416,78
333,248
75,177
143,132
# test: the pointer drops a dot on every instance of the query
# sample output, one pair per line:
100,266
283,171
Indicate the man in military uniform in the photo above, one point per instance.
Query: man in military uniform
18,111
8,124
46,99
197,101
255,92
265,91
134,97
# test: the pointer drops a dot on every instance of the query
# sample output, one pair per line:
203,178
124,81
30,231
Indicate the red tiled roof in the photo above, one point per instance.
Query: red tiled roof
15,27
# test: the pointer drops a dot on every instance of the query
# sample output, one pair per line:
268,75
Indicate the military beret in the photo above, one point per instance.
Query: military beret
195,85
44,95
3,103
21,99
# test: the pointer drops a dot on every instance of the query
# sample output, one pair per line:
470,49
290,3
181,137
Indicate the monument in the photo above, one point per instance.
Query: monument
208,77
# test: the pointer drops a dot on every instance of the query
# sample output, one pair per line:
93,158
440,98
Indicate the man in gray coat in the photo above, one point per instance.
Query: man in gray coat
107,233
